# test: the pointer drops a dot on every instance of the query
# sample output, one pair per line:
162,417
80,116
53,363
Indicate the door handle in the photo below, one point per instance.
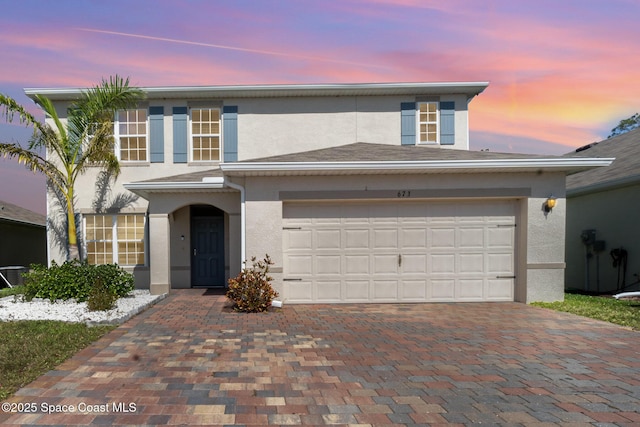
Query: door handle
399,260
194,251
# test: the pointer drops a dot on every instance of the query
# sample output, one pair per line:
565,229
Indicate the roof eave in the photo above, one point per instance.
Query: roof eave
470,89
23,222
604,186
423,166
143,189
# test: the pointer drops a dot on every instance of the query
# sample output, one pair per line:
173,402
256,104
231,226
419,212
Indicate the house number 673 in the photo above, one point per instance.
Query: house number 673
404,193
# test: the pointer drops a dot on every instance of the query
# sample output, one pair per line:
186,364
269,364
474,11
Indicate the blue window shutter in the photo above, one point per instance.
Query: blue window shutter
180,135
230,136
156,134
447,123
408,123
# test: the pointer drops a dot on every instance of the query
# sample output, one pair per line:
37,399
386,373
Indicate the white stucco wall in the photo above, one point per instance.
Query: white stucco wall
614,215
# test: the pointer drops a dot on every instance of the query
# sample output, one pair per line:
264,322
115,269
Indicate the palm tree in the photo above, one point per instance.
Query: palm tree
85,141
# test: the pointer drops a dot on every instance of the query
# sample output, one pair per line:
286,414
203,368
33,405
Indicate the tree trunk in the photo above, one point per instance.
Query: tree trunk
73,252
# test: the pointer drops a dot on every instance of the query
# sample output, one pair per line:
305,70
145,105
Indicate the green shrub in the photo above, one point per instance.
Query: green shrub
251,289
101,298
74,280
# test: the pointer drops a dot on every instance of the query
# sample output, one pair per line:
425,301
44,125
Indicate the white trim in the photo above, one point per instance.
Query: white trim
206,183
418,165
418,123
116,137
115,240
190,135
243,221
470,89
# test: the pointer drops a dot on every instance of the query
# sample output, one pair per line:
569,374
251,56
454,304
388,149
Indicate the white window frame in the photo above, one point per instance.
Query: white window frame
191,135
117,136
114,236
418,123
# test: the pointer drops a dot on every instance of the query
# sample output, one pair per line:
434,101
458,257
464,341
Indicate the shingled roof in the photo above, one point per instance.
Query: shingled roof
624,170
368,152
11,212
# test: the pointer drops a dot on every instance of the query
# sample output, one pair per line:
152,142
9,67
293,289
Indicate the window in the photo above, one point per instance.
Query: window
205,134
131,135
427,123
115,239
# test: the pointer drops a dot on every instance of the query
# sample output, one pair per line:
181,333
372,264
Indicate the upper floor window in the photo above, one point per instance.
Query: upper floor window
428,123
131,135
205,134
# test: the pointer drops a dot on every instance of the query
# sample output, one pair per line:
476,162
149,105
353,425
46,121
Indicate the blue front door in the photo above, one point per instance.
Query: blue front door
207,254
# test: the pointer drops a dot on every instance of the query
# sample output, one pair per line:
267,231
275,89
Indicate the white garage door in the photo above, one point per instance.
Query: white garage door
400,251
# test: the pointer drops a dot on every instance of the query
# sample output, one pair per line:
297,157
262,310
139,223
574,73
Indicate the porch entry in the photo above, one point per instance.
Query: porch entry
207,247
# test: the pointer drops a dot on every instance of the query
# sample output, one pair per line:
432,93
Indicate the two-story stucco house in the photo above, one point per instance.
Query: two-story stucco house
358,192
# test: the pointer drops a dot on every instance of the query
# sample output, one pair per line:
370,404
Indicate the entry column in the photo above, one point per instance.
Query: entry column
159,254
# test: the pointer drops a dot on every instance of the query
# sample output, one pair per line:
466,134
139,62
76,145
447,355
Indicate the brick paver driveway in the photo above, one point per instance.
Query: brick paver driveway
190,361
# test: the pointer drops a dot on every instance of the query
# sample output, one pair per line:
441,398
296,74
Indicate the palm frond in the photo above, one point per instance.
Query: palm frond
34,162
9,108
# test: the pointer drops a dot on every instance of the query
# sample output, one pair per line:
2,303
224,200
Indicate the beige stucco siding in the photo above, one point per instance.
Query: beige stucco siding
614,215
268,127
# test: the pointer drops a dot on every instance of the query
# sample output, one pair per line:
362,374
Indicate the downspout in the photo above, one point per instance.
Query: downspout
243,221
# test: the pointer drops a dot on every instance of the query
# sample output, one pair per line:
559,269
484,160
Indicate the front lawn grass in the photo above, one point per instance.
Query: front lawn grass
16,290
30,348
620,312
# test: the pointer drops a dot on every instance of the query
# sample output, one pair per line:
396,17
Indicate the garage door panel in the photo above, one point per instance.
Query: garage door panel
356,239
300,291
413,238
500,263
442,263
385,264
471,237
443,289
471,263
356,264
328,291
470,289
500,289
327,264
300,265
440,238
298,239
500,237
328,239
357,290
385,290
414,264
385,238
400,251
414,290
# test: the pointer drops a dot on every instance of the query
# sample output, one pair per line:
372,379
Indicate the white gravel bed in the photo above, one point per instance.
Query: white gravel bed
13,308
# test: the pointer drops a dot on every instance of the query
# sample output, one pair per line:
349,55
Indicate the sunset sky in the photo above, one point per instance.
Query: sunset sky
562,73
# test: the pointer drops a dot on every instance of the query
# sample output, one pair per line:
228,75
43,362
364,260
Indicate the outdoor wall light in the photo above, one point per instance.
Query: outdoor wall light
549,204
182,237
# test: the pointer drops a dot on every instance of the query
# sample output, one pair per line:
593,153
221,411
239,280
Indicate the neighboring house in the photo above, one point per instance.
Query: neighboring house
23,240
358,192
606,201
